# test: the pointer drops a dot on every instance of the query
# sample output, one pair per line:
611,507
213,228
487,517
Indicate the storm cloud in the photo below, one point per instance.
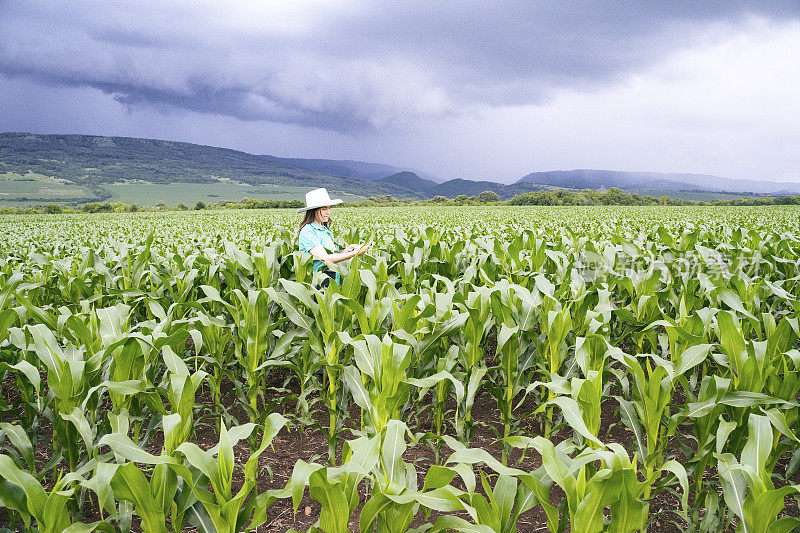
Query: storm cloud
478,90
353,66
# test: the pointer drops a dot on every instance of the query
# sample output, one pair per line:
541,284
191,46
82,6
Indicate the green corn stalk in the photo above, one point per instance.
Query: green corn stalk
515,314
304,363
151,499
706,412
154,499
479,321
499,508
29,383
228,512
443,381
22,494
747,485
213,339
555,324
648,415
326,328
643,309
508,346
219,509
498,511
337,488
133,266
752,364
395,497
372,314
19,438
266,264
432,334
614,486
254,326
69,377
181,387
382,363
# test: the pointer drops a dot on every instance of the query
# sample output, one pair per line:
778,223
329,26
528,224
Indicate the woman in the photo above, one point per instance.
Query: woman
314,236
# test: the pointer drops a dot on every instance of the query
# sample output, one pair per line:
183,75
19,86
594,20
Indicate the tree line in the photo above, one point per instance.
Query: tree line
588,197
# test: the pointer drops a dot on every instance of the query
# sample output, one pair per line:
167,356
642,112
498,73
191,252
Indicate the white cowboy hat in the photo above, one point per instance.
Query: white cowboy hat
318,198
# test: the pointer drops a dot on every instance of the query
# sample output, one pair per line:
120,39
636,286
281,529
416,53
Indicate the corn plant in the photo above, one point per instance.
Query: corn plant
257,338
216,510
395,497
747,484
648,416
555,324
326,330
443,382
615,485
21,492
69,376
499,507
515,313
227,511
212,341
381,363
478,306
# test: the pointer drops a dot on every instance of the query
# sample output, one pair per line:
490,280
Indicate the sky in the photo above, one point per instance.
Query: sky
467,89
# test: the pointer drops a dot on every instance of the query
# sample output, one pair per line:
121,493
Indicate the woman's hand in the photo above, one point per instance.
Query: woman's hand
360,249
349,251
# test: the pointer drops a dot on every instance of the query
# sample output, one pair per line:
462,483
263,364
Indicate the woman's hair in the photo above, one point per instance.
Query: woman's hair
309,217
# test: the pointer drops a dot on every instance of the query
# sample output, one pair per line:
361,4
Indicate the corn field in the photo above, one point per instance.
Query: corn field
643,364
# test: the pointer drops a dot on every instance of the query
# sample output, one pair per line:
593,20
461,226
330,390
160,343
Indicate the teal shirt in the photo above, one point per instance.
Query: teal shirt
313,235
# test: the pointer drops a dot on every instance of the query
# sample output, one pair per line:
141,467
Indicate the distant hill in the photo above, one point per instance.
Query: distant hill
87,167
348,168
654,181
410,181
94,159
455,187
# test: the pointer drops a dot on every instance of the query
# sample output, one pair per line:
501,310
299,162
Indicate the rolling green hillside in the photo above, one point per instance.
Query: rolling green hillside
81,168
72,169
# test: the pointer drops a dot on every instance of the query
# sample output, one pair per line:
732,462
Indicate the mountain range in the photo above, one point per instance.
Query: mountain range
349,168
595,179
75,168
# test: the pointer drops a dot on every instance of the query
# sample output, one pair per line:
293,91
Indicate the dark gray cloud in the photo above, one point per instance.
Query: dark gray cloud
357,66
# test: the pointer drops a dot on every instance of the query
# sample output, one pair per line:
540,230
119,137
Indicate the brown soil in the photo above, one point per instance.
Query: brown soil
291,446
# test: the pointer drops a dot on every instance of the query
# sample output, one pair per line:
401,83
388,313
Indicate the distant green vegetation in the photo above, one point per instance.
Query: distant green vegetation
555,197
560,197
28,190
16,188
189,193
615,196
92,160
695,196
